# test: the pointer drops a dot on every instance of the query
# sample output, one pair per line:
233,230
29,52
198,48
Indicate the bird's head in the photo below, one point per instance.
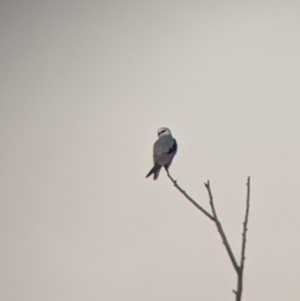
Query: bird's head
163,131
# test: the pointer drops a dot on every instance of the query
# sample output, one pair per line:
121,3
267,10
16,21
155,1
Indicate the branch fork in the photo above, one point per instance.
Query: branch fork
239,268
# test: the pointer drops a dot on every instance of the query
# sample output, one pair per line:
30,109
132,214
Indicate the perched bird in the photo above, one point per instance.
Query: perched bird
164,150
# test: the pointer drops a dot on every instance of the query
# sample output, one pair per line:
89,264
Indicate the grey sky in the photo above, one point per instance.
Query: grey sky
84,87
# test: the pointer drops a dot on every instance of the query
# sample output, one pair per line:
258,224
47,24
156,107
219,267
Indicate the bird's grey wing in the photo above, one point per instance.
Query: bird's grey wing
164,150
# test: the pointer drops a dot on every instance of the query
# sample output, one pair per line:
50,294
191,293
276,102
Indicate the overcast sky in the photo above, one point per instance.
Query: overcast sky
84,87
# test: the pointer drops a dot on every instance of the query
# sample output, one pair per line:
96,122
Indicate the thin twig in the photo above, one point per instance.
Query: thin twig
189,198
221,231
243,248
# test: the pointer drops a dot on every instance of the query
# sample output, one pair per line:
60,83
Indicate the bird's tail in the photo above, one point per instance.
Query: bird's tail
155,170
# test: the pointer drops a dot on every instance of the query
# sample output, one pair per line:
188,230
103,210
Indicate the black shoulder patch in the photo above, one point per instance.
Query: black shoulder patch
173,148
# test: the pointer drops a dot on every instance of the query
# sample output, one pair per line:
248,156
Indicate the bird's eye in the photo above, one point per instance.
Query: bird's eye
161,132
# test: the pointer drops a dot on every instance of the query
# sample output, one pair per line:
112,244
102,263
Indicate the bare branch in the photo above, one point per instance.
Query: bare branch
189,198
245,224
221,231
243,249
238,268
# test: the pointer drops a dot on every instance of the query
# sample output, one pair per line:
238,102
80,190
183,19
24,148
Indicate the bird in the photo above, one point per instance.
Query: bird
164,150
